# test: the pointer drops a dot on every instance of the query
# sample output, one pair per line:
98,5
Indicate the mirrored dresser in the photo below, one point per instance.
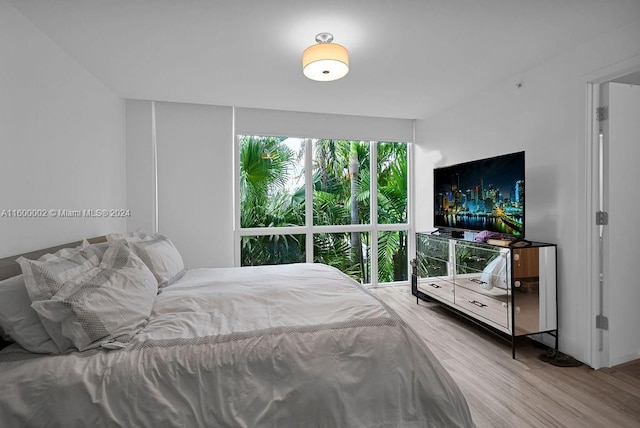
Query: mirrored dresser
509,290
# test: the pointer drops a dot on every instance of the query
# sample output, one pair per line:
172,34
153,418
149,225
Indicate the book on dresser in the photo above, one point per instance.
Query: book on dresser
499,242
507,289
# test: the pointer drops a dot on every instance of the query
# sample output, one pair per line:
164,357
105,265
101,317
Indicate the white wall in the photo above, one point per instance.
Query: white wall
194,177
62,141
315,125
195,181
546,118
140,166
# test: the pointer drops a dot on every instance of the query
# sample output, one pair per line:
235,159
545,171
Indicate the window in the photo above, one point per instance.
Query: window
339,202
271,173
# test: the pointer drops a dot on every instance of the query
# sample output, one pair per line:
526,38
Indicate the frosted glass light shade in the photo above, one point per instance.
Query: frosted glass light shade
325,62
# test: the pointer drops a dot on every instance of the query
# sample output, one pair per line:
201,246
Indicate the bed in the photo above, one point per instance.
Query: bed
273,346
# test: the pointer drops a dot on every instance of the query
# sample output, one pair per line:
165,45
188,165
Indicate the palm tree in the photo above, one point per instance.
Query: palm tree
356,242
392,208
265,165
341,196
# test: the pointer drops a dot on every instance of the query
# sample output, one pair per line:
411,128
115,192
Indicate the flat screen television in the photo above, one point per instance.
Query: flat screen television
485,194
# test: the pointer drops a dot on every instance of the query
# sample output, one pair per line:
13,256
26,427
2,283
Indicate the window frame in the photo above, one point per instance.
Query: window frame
309,229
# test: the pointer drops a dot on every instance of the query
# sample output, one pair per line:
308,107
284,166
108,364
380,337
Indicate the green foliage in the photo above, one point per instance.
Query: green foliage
333,249
263,163
332,176
272,250
392,256
329,209
393,183
392,208
341,175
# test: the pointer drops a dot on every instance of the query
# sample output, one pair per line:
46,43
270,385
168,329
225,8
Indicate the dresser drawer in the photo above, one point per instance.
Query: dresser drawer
431,267
476,284
433,246
493,308
439,288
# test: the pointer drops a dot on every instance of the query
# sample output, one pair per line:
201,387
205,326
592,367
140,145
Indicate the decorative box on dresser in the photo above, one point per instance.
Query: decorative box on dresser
511,290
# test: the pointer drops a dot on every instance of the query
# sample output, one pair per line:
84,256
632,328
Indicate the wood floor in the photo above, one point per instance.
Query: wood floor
525,392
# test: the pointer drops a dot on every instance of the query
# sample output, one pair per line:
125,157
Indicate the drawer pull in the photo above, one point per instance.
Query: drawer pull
475,302
435,285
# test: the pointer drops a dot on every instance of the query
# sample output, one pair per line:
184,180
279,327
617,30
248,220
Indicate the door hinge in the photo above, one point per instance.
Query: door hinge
602,322
602,218
602,113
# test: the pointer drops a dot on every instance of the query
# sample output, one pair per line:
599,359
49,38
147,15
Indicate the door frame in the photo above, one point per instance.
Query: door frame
596,348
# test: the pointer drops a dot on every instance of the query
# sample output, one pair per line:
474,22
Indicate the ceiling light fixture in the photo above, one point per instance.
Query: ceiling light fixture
325,61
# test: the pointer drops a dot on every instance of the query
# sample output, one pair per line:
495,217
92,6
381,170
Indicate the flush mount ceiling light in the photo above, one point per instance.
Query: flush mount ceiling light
325,61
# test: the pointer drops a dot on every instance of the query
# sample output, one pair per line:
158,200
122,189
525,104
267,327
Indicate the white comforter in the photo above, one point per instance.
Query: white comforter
275,346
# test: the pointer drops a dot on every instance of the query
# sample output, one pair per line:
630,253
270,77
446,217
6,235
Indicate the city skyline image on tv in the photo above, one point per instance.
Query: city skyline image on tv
485,194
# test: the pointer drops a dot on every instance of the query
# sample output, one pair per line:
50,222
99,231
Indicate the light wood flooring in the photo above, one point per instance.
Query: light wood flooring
524,392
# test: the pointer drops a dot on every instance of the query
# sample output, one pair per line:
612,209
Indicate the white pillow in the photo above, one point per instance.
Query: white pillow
108,303
44,278
129,237
19,321
161,257
493,275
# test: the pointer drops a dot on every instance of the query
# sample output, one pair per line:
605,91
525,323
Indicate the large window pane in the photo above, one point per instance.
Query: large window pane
392,183
348,252
392,256
273,193
271,181
341,182
272,250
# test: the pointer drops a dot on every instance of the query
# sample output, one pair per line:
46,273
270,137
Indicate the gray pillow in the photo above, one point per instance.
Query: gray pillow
18,319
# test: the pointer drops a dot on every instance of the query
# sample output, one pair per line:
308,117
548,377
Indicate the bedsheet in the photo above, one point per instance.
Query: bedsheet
273,346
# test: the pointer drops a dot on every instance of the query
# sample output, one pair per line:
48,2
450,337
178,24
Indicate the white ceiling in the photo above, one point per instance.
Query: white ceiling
409,58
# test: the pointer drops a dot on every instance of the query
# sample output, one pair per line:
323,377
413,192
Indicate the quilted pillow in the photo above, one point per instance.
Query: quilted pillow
44,278
106,304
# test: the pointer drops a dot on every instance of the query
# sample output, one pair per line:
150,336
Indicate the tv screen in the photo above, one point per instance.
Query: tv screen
485,194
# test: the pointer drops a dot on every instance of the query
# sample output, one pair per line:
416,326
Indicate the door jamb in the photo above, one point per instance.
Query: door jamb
593,80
